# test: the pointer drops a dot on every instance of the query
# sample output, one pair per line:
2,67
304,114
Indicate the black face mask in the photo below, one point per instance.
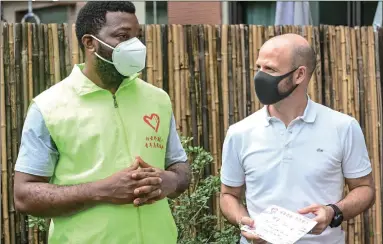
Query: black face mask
266,87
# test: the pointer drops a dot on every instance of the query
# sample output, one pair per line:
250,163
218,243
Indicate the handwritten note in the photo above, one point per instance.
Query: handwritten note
277,225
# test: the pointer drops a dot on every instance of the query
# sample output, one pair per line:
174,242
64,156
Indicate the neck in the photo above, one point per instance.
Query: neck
290,108
96,79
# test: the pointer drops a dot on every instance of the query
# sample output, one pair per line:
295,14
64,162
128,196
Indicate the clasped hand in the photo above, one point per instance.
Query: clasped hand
139,184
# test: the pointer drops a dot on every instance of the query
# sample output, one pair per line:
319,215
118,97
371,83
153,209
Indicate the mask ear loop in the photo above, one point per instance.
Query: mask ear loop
105,44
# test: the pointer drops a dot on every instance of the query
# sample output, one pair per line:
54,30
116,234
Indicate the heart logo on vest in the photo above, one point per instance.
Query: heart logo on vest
153,121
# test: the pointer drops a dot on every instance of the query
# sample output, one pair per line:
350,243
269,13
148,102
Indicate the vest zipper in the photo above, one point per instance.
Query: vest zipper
140,234
115,101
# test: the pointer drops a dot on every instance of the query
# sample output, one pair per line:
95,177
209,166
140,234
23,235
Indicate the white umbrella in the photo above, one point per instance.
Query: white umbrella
378,16
293,13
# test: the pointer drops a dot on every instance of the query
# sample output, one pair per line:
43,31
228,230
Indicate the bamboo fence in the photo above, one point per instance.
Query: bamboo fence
207,71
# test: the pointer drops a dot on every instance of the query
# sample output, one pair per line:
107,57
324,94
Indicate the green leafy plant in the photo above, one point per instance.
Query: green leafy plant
195,222
41,223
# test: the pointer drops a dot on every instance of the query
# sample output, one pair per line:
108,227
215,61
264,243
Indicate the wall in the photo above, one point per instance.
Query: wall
194,12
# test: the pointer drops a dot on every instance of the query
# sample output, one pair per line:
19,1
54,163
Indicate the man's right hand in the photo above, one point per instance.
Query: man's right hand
254,239
119,187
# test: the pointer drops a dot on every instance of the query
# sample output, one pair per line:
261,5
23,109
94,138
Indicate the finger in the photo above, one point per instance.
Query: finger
134,166
144,190
247,221
309,209
149,181
143,164
148,197
250,236
145,173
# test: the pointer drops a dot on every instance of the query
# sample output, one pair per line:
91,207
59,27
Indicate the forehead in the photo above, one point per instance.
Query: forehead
120,20
274,54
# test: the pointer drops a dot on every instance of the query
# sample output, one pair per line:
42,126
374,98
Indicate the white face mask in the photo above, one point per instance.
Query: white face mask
128,56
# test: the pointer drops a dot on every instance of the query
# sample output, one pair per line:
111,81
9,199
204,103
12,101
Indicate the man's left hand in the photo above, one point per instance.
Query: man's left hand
168,186
324,215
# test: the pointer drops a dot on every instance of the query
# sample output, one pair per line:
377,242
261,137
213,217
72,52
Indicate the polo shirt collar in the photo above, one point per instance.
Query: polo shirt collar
308,116
83,85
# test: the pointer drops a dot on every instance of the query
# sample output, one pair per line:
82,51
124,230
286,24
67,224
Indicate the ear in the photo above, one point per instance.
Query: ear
88,43
300,75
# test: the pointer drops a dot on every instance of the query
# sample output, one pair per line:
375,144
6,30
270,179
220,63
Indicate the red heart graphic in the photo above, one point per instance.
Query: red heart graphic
153,121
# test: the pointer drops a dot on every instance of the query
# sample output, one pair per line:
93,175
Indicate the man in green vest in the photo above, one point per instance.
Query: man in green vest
100,153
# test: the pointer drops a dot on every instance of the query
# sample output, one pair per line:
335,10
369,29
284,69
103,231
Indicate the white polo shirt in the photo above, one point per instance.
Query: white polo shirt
296,166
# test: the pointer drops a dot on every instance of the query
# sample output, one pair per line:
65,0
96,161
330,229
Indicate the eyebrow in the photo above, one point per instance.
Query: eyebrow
124,28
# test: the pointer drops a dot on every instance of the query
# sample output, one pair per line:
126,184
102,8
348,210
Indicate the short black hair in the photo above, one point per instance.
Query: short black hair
306,56
92,16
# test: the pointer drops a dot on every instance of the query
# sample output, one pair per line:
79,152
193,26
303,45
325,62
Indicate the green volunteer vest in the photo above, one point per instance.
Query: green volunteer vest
97,134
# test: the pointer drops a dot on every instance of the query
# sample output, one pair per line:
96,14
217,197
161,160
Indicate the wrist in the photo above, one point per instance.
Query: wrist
170,181
98,191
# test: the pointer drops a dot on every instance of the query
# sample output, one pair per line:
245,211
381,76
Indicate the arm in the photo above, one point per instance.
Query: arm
231,204
181,175
33,194
35,165
176,162
233,181
357,171
360,198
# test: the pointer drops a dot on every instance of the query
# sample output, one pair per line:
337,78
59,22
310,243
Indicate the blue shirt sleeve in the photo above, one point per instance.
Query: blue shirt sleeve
38,154
175,153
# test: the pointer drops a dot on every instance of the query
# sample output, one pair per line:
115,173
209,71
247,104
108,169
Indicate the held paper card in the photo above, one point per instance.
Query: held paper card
277,225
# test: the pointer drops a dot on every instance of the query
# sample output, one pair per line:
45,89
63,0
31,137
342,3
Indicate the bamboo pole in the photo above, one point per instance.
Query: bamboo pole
47,64
61,50
318,69
56,54
68,66
154,55
192,86
344,85
252,69
51,56
197,78
30,63
182,81
204,101
225,75
35,61
375,127
378,46
165,64
244,71
213,113
41,60
367,103
149,53
176,69
75,46
4,166
230,75
11,128
186,75
220,78
355,74
159,57
236,71
19,111
170,66
327,65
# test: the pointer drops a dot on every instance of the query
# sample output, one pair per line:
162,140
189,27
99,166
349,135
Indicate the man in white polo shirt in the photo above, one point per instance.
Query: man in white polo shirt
294,152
